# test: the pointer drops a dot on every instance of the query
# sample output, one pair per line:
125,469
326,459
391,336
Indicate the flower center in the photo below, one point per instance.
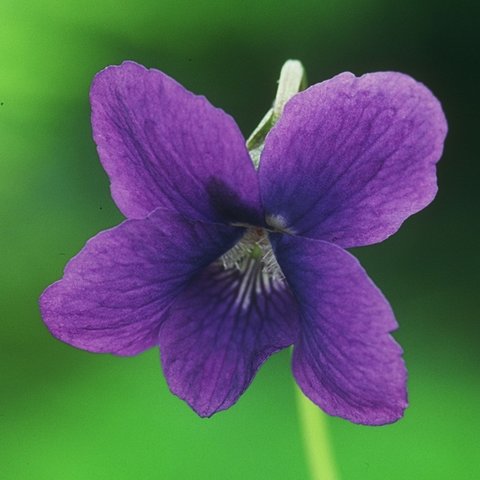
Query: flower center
254,267
253,253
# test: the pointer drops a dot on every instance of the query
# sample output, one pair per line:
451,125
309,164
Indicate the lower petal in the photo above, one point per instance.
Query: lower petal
114,292
345,360
220,330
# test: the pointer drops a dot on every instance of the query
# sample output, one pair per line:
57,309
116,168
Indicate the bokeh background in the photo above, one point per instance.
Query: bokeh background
67,414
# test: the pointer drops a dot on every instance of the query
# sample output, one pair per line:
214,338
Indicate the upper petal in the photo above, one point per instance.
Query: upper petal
163,146
220,330
345,360
351,158
114,292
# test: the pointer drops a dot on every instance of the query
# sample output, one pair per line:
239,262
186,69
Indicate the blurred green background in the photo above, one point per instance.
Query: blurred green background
68,414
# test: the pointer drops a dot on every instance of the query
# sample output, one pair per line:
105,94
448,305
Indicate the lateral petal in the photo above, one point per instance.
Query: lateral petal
113,294
345,360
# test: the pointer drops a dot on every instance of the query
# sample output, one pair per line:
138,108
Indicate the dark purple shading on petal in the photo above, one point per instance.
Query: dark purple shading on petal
351,158
345,361
114,292
218,333
163,146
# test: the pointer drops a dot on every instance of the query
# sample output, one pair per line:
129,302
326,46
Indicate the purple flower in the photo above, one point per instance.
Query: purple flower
221,265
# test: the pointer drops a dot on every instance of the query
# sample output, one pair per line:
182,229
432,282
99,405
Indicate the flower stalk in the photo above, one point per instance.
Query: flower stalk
293,79
313,424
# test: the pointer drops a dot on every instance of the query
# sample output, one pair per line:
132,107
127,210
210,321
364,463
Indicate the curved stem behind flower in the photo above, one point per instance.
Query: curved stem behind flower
315,437
293,79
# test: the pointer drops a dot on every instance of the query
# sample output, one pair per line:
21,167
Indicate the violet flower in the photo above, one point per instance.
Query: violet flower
221,265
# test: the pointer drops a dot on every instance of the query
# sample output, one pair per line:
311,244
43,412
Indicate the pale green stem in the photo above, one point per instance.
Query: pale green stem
292,80
313,423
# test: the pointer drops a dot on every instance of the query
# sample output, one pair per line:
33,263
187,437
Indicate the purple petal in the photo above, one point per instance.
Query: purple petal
345,361
352,158
114,292
218,333
164,147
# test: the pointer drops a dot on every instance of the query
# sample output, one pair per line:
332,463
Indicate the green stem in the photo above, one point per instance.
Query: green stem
292,80
313,423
